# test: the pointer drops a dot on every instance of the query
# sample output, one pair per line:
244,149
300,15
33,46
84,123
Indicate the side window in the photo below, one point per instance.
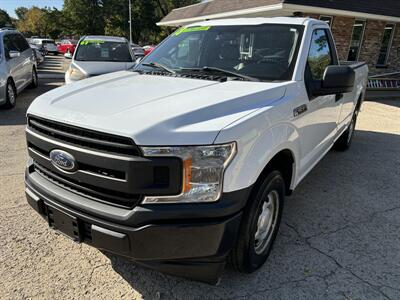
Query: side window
20,42
9,45
320,54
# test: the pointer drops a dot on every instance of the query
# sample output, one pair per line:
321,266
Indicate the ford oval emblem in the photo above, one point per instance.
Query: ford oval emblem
63,160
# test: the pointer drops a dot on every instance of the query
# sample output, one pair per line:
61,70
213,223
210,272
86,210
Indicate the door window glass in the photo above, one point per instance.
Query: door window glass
20,42
9,45
319,55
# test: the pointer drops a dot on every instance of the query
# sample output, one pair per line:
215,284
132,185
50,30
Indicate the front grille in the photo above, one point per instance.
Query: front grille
95,193
83,137
113,172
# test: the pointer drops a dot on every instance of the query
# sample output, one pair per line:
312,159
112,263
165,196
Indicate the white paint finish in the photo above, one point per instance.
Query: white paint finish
188,111
161,110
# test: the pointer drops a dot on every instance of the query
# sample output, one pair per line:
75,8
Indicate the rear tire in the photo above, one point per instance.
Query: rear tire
344,141
35,81
260,224
11,95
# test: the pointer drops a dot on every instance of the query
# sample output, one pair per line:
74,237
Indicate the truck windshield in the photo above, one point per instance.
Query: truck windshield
265,52
98,50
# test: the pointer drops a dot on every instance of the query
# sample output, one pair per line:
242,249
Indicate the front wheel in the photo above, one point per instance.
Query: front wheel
11,95
259,225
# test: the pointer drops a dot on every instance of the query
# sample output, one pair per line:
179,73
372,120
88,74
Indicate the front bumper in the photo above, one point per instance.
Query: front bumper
187,240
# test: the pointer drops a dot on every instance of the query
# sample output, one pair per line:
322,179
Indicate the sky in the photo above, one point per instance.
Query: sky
10,5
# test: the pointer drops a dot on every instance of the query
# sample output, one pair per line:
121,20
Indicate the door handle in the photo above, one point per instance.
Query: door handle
338,97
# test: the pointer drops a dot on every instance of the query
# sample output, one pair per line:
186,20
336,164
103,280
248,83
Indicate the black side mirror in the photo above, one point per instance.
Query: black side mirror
337,80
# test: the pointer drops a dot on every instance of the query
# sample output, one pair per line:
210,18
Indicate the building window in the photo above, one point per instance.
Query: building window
356,40
386,44
327,19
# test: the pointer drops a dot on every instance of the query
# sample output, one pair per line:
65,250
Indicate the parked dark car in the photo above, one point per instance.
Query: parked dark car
137,50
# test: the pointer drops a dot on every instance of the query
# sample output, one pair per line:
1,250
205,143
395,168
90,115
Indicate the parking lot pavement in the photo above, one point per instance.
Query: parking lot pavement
339,239
53,67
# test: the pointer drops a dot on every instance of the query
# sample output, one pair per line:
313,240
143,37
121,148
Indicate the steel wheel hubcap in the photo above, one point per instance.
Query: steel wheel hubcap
266,222
11,95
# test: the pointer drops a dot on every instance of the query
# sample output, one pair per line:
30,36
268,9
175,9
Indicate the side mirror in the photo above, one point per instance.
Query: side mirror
68,55
14,54
337,80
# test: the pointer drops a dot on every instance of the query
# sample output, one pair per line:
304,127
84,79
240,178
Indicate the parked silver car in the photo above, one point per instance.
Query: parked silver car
48,44
96,55
38,54
17,66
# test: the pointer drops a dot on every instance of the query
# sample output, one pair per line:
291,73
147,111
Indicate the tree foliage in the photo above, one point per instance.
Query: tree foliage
5,19
110,17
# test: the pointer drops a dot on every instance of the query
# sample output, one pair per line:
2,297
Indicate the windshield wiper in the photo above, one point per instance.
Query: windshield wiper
159,66
222,71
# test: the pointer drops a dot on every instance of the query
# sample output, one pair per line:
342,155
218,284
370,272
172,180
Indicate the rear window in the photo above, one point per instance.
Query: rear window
44,42
98,50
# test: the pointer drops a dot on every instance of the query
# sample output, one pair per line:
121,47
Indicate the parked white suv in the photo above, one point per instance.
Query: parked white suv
17,66
184,163
97,55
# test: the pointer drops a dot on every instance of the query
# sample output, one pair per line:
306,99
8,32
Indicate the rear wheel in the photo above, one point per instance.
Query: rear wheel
344,141
34,80
259,225
11,95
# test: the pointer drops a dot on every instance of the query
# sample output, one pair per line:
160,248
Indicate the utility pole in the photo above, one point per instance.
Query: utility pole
130,21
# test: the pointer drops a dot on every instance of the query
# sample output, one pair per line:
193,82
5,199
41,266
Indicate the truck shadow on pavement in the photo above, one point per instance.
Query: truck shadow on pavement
338,237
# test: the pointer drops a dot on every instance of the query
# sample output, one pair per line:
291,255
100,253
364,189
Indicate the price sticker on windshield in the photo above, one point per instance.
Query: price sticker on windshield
87,42
191,29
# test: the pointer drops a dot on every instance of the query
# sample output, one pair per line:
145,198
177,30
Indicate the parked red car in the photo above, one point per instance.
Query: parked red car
66,45
148,49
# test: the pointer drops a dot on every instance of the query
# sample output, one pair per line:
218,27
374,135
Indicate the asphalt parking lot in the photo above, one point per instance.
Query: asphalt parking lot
340,236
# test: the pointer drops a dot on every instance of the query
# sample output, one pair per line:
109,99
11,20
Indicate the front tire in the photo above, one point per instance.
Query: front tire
260,224
11,95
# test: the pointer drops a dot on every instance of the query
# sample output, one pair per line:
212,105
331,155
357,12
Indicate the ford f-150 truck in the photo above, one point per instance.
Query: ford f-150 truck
183,163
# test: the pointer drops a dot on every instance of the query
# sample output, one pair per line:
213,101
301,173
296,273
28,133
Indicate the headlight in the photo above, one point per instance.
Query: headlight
203,170
75,74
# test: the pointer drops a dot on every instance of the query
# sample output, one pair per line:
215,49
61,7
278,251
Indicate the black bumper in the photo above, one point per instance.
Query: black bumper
187,240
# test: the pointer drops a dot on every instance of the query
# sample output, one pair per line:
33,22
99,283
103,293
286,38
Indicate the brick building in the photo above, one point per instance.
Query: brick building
365,30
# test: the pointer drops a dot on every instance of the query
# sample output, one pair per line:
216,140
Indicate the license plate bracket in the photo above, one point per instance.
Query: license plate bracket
64,223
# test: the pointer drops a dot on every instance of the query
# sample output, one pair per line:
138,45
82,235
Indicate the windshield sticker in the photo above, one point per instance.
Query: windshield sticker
191,29
87,42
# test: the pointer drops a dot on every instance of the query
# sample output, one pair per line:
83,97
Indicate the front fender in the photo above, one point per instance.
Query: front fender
256,146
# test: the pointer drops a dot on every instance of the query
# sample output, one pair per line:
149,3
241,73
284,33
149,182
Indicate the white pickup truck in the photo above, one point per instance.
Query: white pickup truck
183,163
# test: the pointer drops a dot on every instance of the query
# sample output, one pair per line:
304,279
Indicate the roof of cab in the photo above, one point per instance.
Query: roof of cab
258,21
105,38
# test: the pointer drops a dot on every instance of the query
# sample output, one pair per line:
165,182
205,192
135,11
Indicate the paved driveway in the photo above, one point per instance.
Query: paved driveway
340,237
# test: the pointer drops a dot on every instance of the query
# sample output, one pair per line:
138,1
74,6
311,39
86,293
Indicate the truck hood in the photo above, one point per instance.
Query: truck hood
155,110
93,68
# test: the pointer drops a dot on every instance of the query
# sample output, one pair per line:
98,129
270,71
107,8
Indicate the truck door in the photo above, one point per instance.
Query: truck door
317,121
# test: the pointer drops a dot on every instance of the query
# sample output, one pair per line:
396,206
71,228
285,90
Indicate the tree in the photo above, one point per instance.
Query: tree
5,19
84,16
21,12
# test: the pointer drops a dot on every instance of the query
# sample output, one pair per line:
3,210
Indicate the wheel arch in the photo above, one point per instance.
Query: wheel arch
283,161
